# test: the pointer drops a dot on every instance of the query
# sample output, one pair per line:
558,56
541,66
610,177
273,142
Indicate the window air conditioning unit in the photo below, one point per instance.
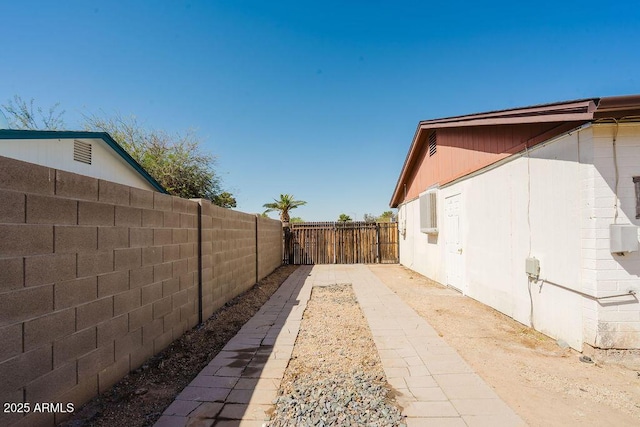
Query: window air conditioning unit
429,212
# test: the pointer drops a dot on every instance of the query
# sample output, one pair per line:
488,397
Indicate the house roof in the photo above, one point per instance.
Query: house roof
104,136
581,110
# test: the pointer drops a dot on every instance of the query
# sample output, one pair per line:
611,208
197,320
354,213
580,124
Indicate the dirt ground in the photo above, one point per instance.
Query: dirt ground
545,384
140,398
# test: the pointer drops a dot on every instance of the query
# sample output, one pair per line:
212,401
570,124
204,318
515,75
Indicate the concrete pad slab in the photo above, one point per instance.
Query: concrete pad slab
464,379
396,362
493,420
436,422
239,396
207,410
227,371
209,370
397,382
257,383
182,407
204,394
200,422
421,381
430,410
428,394
171,421
413,361
479,391
239,423
419,371
448,367
245,412
481,406
396,372
388,354
214,381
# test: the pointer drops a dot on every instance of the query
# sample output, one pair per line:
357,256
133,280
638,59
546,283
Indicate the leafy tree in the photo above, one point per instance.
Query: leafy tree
344,218
387,216
284,205
225,200
369,218
296,219
175,161
21,115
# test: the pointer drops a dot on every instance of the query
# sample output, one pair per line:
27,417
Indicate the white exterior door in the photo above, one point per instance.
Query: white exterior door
453,243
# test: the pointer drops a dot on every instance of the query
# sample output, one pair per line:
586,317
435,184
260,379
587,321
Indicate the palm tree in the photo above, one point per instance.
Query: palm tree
284,205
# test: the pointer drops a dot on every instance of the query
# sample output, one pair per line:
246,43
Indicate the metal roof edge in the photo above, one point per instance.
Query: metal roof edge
533,113
51,134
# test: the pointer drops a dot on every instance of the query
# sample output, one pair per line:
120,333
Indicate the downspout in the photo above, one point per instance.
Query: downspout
617,174
529,279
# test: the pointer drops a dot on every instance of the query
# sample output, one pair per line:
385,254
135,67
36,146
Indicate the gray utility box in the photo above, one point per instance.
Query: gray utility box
532,267
623,238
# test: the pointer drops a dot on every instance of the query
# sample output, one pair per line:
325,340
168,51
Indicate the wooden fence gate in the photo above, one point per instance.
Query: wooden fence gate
354,242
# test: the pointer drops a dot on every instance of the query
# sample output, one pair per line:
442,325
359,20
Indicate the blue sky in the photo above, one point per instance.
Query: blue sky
317,99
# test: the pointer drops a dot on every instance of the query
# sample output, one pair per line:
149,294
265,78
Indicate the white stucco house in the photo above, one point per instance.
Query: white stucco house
533,211
93,154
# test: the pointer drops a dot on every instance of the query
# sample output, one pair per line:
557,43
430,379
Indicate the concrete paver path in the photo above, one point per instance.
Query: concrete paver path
433,384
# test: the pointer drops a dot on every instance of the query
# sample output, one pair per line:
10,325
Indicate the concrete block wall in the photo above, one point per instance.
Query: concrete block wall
617,320
270,248
232,259
96,277
589,267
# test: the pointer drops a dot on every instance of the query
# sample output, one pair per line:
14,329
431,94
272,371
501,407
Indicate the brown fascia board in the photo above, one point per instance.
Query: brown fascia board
618,107
613,107
612,103
403,172
578,110
550,118
565,111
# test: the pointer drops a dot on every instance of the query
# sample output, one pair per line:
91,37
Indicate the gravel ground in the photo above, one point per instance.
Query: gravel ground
335,376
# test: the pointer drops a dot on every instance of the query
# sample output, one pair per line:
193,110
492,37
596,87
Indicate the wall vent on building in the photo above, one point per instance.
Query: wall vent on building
429,212
82,152
433,140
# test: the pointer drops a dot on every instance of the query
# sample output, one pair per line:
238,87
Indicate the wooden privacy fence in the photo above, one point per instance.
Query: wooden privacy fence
353,242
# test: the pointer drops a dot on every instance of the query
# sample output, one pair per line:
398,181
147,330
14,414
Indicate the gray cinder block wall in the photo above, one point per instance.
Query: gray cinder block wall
96,277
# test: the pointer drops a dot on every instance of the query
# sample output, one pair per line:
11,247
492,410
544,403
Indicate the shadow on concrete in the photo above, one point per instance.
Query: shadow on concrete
241,382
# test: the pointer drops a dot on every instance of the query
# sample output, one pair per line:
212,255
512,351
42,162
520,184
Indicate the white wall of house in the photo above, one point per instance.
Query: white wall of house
615,322
58,154
418,251
555,205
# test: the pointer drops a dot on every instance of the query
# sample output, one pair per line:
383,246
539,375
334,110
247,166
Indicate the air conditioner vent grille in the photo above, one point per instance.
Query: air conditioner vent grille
429,212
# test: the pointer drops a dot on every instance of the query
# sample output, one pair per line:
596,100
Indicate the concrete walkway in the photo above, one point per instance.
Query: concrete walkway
433,384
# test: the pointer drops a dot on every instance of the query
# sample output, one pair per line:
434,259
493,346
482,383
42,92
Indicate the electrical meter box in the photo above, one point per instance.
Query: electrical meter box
532,267
623,238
